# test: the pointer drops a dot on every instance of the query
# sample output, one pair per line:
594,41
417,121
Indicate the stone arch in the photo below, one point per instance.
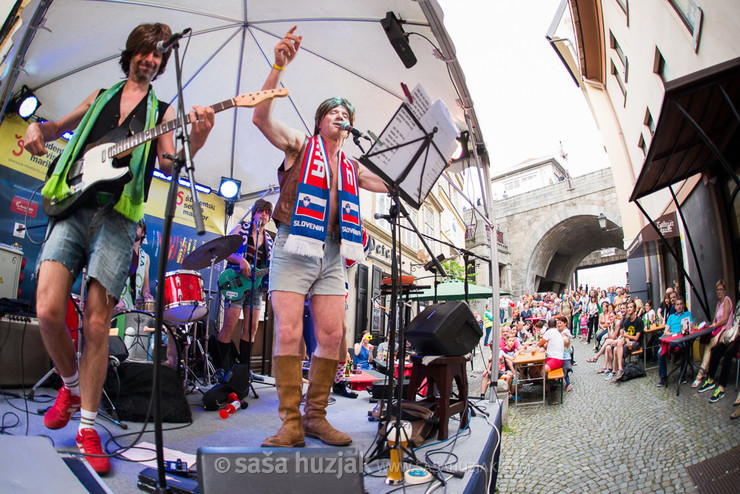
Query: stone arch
565,238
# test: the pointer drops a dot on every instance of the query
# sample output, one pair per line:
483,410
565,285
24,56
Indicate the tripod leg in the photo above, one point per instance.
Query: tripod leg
40,382
113,417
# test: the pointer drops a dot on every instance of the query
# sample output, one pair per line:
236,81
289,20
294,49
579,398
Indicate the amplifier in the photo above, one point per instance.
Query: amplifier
20,342
10,271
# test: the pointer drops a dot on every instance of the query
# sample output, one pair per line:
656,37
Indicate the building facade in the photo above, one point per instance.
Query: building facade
630,57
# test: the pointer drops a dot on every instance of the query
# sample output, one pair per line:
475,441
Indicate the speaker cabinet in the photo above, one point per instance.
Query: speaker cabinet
23,357
447,328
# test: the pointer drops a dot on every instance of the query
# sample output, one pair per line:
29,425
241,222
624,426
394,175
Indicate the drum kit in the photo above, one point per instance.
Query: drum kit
185,304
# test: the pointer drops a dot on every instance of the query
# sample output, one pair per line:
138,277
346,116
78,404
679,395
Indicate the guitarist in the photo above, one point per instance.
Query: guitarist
256,244
100,233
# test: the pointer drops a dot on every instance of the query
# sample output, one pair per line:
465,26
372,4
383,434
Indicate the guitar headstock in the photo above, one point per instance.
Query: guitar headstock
250,100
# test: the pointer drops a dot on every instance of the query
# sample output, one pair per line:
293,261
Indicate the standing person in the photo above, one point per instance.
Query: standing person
314,177
100,232
487,324
592,309
254,253
566,308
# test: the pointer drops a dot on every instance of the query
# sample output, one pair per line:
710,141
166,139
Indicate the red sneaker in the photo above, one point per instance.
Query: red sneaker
88,442
64,407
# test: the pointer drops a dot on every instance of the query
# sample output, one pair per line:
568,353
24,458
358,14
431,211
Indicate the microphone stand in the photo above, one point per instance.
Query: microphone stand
183,159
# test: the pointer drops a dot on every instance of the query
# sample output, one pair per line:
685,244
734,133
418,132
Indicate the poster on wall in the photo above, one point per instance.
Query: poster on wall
23,223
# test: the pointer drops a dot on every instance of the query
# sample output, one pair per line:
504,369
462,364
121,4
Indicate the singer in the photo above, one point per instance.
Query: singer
99,233
318,195
254,253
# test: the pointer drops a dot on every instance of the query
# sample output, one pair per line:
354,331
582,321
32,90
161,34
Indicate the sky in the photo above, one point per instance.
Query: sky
525,100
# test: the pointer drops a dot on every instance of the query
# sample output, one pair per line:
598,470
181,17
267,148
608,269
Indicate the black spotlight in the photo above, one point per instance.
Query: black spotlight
24,104
398,39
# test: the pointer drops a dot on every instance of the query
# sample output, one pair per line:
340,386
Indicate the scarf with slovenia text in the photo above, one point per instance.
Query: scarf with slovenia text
310,221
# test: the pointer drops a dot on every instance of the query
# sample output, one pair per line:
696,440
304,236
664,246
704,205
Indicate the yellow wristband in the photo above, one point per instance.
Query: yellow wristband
277,67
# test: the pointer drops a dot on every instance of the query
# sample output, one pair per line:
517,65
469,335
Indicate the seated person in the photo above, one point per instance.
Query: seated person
722,353
672,327
509,351
383,350
552,342
504,374
363,352
630,339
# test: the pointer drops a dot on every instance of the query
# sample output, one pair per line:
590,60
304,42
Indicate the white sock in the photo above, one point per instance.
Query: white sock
72,383
87,419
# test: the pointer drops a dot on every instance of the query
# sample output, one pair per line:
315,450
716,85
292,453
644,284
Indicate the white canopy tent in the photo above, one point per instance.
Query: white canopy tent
76,46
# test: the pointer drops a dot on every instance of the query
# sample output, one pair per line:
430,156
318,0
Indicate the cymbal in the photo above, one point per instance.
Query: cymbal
220,248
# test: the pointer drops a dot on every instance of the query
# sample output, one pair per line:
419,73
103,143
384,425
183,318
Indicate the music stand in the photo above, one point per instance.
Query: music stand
411,181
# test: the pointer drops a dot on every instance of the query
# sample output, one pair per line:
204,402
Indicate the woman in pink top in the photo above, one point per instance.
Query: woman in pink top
722,320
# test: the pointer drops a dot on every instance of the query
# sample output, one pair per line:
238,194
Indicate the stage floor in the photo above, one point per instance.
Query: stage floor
464,450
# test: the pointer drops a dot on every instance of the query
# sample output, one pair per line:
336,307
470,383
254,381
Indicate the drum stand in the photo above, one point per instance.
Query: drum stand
191,381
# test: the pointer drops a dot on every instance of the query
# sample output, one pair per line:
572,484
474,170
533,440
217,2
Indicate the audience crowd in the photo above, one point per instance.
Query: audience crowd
615,323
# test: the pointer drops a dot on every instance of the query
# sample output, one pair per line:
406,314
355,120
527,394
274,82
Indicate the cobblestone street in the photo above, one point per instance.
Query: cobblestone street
624,437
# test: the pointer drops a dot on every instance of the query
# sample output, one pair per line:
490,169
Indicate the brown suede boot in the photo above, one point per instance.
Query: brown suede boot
288,379
320,378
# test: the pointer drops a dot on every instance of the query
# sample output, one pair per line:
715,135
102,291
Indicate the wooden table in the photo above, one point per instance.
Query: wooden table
360,381
529,359
655,328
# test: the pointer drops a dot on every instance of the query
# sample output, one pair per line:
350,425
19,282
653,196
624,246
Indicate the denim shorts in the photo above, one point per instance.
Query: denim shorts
97,237
303,274
243,301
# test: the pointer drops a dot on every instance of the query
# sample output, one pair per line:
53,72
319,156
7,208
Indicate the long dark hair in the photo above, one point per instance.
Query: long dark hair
328,105
143,39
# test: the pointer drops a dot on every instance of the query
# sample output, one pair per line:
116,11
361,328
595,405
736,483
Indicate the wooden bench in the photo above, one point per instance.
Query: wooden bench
557,375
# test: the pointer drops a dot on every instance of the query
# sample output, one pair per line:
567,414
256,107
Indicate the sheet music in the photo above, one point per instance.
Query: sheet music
403,129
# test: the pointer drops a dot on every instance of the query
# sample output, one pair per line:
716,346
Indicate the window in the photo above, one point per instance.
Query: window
660,67
620,83
428,221
614,44
642,145
649,122
410,239
689,13
382,206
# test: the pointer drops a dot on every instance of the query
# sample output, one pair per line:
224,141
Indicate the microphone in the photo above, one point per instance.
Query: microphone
164,46
346,126
379,216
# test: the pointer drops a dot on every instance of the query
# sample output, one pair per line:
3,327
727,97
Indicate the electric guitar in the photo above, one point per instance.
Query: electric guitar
103,168
233,284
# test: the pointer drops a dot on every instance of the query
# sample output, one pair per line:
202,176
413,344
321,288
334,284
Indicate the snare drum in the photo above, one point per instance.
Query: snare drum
147,305
184,298
131,326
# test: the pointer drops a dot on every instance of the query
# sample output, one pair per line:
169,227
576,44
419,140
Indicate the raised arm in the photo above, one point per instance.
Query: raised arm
278,133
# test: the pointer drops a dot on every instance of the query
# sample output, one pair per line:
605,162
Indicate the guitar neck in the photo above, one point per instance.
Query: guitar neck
158,130
248,100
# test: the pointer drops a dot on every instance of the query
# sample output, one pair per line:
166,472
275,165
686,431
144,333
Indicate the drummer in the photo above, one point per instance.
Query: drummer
136,290
256,240
137,285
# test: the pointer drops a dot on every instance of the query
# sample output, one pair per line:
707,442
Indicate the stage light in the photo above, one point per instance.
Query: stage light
24,104
398,38
462,151
229,187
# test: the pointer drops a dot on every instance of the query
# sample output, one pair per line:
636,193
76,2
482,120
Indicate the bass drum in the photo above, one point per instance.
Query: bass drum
135,328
